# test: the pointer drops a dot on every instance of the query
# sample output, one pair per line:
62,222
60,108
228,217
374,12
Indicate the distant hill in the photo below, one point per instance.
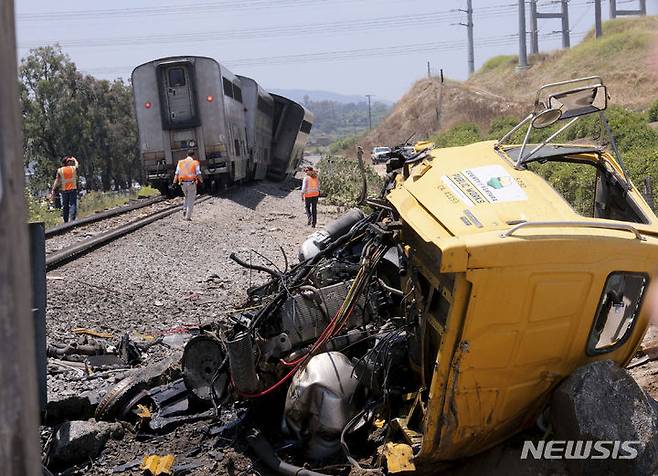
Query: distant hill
317,96
626,57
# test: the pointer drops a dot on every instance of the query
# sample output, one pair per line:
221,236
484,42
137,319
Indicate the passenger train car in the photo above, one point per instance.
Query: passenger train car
259,114
239,131
292,125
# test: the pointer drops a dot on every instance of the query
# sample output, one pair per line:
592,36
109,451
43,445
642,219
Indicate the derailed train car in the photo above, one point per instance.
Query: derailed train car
259,112
192,102
292,125
439,324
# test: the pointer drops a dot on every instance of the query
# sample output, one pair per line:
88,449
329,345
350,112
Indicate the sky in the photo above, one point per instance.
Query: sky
378,47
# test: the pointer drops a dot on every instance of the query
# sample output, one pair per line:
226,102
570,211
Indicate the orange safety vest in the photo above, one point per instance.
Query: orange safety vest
69,177
312,187
187,170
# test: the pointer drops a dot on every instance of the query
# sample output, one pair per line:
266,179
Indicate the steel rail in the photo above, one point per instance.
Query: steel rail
112,212
71,253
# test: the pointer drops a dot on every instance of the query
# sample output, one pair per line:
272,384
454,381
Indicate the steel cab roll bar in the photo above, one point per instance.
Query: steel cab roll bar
564,100
574,224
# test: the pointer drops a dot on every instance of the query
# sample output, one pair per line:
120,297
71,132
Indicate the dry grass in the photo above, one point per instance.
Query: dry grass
626,57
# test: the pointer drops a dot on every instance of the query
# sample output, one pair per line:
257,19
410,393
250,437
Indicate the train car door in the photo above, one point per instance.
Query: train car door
178,94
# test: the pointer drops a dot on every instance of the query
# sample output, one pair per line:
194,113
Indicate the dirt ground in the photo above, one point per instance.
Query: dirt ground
166,275
173,273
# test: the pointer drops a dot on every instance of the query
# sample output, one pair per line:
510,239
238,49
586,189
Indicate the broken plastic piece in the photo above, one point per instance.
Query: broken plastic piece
155,465
399,458
91,332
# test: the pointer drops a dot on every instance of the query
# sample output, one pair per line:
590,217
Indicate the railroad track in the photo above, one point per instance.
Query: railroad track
64,227
58,258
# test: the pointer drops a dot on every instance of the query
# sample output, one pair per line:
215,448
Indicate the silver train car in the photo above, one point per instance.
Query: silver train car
259,115
192,102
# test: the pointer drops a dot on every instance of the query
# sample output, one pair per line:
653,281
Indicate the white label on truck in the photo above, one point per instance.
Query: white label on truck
487,184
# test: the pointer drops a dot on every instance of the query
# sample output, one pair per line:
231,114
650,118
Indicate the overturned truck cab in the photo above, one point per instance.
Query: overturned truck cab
515,286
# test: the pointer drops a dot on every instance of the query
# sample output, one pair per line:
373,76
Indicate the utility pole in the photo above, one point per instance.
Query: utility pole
598,30
369,112
523,52
19,418
429,74
566,40
469,33
641,10
534,31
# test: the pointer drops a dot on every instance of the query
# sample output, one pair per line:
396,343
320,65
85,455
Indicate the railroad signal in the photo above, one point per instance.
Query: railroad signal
147,105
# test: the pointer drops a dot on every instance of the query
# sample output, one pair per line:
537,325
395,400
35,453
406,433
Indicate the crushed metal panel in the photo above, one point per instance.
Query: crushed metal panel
155,465
399,458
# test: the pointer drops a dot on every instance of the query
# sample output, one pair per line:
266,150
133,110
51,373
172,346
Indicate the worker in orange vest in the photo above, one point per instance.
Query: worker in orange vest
67,181
310,194
188,174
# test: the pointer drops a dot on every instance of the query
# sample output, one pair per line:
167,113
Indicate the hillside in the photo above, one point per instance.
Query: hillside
626,57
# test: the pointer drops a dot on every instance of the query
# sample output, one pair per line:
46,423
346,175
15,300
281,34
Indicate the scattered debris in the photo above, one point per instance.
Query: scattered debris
399,458
78,441
66,406
155,465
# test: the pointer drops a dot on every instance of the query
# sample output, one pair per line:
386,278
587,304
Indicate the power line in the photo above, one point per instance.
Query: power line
346,55
318,29
188,9
381,23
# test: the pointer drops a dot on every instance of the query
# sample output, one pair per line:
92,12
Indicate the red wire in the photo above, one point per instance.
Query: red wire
299,361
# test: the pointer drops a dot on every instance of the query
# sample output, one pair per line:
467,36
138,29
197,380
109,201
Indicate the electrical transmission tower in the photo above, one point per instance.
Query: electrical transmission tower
535,15
614,12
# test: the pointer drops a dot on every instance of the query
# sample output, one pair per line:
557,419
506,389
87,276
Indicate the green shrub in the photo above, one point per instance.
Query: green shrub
343,143
461,134
497,62
653,111
501,126
38,210
340,180
147,191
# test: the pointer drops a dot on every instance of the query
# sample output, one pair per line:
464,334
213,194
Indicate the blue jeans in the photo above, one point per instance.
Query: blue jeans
69,204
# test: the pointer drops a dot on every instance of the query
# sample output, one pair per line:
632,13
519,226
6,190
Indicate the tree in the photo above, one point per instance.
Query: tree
67,113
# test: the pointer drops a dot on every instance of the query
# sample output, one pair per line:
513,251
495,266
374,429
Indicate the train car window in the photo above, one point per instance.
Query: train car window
228,87
306,127
617,313
176,77
237,147
237,92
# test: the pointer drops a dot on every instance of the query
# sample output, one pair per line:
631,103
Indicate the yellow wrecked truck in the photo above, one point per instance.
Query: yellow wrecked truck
518,286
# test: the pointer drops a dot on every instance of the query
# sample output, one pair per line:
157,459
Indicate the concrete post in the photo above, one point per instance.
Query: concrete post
534,31
469,29
523,52
566,41
19,415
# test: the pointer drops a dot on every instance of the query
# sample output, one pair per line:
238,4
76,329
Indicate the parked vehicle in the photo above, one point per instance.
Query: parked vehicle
380,154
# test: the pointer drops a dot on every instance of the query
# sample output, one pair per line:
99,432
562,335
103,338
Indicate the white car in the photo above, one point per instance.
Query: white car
380,154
